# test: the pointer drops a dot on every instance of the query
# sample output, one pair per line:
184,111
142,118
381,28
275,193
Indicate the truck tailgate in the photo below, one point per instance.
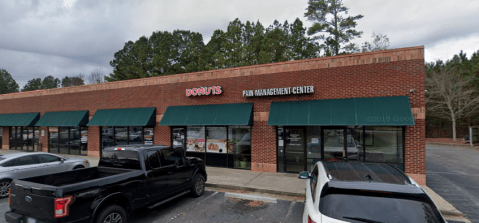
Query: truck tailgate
31,201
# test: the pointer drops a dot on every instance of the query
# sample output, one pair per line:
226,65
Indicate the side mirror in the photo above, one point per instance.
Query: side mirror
62,160
304,175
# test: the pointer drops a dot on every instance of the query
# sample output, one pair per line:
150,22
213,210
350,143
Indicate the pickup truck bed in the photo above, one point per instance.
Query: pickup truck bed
127,178
86,181
77,176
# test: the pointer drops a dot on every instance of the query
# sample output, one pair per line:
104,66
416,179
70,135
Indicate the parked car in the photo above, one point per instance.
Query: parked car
365,192
21,165
127,178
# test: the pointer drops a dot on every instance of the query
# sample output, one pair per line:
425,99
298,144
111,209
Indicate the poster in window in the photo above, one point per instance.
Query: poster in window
216,146
195,145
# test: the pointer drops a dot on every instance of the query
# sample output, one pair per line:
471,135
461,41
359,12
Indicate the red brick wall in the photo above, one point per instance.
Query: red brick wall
6,138
384,73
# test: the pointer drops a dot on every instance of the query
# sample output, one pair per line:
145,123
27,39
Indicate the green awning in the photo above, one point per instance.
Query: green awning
21,119
124,117
379,111
65,118
222,114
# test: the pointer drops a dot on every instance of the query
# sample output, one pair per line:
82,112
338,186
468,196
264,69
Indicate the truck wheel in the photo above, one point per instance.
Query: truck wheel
198,186
78,167
112,214
4,186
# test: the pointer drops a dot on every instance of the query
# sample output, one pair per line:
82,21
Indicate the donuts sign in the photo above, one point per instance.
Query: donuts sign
200,91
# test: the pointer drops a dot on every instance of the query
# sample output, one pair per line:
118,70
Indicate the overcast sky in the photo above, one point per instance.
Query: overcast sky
67,37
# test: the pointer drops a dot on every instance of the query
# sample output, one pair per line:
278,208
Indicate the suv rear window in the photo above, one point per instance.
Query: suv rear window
120,159
359,206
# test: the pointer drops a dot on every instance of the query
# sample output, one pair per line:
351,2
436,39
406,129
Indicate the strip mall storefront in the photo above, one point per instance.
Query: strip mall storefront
280,117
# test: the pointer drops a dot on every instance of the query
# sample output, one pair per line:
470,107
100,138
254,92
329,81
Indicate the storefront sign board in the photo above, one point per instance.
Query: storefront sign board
278,91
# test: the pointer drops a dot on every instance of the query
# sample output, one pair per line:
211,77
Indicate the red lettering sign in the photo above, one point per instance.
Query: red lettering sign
200,91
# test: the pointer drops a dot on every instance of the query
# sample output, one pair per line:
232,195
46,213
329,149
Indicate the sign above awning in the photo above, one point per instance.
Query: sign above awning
378,111
65,118
19,119
124,117
221,114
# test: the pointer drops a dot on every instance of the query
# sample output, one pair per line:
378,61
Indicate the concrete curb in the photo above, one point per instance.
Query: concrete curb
449,144
259,190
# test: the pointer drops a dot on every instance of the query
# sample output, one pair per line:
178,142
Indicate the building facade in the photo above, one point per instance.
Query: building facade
280,117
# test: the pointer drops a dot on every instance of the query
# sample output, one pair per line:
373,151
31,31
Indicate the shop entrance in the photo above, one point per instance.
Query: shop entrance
294,144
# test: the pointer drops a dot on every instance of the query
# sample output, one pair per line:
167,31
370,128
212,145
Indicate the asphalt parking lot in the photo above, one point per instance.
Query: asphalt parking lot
453,173
211,207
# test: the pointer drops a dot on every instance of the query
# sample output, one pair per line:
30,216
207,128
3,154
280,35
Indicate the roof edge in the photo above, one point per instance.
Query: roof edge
384,56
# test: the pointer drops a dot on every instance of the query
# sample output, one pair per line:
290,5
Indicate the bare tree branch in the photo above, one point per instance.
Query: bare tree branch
450,96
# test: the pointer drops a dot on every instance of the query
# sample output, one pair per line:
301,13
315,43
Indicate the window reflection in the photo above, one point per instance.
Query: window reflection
384,144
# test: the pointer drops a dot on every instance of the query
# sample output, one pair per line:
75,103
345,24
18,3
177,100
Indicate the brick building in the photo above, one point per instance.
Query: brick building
280,117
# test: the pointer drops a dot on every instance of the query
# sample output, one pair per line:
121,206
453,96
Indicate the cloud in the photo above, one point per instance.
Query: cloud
59,38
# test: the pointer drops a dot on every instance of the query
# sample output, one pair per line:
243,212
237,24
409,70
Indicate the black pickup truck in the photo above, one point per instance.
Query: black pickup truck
127,178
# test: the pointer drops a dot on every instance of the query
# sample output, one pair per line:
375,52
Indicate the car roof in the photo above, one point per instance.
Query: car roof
136,147
19,154
369,176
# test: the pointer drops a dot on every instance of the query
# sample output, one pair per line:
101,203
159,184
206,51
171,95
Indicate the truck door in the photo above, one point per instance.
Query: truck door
181,173
157,177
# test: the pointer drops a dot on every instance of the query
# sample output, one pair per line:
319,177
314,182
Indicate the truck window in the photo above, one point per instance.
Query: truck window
153,159
120,159
170,157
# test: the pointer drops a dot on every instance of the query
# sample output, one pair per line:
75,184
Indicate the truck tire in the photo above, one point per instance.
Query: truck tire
198,185
112,214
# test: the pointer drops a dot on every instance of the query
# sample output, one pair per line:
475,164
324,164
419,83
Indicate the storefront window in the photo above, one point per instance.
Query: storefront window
338,143
355,147
22,138
384,144
121,136
225,146
84,140
280,151
135,135
239,144
68,140
1,136
148,136
36,139
53,144
126,135
195,139
216,146
313,146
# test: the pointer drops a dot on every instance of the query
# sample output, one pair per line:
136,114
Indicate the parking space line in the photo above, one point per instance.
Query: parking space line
290,210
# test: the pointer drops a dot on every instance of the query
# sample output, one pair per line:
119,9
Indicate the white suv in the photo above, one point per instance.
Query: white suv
364,192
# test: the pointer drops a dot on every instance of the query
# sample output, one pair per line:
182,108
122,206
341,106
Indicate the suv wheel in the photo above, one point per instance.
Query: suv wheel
198,186
112,214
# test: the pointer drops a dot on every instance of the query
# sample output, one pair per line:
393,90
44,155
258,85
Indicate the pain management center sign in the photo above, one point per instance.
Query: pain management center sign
278,91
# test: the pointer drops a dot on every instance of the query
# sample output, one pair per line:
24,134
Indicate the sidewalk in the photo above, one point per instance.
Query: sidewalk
286,184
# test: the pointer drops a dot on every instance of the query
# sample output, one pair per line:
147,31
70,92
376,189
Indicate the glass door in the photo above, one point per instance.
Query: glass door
178,137
294,147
